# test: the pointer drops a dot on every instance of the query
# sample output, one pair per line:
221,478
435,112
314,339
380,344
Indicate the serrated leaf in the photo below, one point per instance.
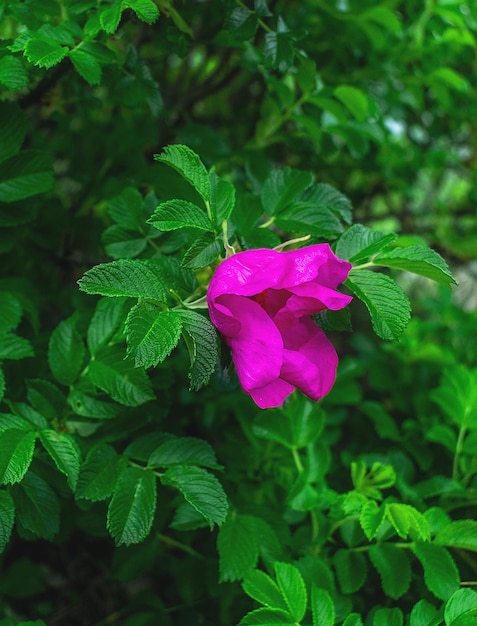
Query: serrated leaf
98,473
203,346
386,302
131,278
132,507
460,534
461,604
262,588
417,260
351,570
222,199
110,17
358,243
127,209
46,398
269,617
16,454
371,518
10,312
440,572
14,348
278,51
187,518
322,607
44,53
353,619
151,333
201,489
122,244
65,452
118,377
324,196
281,187
26,174
238,547
306,217
243,23
7,518
189,165
37,506
388,561
185,451
12,126
105,322
88,406
424,614
146,10
388,617
292,587
354,100
13,73
202,252
86,65
175,214
407,521
66,352
457,395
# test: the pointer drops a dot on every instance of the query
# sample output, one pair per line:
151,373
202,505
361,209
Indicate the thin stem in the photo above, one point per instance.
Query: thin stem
291,242
458,449
363,266
229,250
298,463
177,544
267,223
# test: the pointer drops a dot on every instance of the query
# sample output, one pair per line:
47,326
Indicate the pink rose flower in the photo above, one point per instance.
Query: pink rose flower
261,302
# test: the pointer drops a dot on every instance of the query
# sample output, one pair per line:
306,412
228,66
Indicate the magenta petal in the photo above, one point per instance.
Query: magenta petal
257,349
271,395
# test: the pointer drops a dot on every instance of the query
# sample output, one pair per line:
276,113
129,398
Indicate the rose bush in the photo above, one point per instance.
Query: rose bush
261,301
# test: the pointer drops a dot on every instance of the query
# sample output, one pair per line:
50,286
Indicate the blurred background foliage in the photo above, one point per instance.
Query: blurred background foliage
377,99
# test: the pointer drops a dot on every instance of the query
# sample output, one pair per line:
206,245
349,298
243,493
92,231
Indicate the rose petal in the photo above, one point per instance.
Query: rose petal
271,395
257,349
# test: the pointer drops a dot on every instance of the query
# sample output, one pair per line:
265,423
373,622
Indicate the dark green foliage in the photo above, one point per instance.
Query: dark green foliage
143,141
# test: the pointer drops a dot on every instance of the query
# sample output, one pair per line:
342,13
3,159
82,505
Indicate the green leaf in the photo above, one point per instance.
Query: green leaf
7,518
322,607
354,100
131,278
110,17
278,51
183,451
201,489
37,507
86,65
353,619
44,53
203,345
105,322
440,572
202,252
127,209
88,406
13,127
462,604
65,452
358,243
132,507
281,187
407,521
3,384
174,214
351,570
222,199
243,23
151,333
146,10
14,348
26,174
46,398
369,483
238,547
262,588
417,260
16,454
13,73
189,165
306,217
424,614
10,312
187,518
270,617
460,534
388,561
386,302
122,244
66,352
388,617
118,377
292,587
457,395
371,518
98,473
